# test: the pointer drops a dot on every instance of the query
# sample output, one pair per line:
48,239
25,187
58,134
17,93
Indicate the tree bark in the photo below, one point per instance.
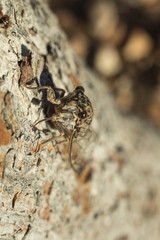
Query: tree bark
117,194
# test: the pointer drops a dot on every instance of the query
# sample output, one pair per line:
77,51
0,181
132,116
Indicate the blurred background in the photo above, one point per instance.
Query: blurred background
120,39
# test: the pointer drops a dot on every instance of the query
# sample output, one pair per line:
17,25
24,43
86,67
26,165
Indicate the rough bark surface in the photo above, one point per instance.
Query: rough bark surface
117,195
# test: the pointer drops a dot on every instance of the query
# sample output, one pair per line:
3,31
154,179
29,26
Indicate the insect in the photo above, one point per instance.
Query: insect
72,115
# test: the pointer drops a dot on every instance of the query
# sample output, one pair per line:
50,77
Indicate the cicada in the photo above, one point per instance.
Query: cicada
72,115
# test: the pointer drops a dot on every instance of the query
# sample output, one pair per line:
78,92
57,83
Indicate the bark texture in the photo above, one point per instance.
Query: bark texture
117,195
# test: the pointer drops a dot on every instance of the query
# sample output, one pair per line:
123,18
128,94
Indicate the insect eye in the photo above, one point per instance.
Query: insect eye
82,115
80,88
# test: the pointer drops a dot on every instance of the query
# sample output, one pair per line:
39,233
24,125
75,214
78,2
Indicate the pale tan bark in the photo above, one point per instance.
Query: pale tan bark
40,195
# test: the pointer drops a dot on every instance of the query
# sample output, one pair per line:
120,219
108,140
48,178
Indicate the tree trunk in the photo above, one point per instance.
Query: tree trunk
116,196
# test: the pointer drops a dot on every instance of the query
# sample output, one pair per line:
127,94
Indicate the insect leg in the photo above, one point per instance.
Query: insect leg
38,88
53,118
39,146
60,90
63,133
48,88
68,136
63,141
51,96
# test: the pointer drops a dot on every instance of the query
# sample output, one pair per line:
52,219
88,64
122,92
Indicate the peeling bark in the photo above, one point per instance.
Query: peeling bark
117,195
